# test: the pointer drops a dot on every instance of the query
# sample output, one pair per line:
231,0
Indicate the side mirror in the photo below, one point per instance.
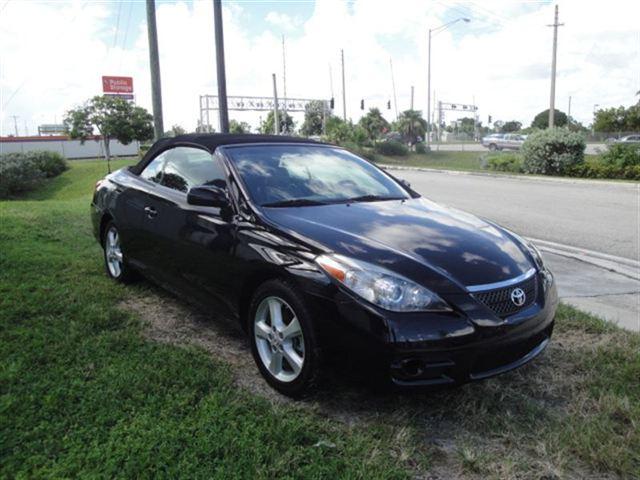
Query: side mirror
208,196
404,183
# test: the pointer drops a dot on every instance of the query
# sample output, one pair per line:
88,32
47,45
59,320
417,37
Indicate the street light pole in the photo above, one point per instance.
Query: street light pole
429,96
552,99
431,31
593,122
154,63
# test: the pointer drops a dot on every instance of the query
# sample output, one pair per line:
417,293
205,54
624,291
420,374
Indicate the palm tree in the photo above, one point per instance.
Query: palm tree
411,125
374,123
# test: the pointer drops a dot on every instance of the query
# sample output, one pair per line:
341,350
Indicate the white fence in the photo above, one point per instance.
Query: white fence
71,149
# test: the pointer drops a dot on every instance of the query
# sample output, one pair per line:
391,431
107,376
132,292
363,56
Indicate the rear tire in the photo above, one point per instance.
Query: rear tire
115,262
283,341
493,147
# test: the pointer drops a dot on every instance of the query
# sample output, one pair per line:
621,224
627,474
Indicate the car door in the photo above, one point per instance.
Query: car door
196,244
136,205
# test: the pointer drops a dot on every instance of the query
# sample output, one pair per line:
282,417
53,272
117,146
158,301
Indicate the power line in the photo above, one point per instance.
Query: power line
115,35
126,32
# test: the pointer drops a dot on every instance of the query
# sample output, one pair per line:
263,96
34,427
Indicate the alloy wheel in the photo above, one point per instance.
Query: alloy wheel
279,339
113,252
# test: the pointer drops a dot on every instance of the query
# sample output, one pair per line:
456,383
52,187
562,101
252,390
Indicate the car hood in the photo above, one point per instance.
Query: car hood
404,236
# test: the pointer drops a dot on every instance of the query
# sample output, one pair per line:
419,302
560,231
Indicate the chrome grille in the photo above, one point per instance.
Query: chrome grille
499,299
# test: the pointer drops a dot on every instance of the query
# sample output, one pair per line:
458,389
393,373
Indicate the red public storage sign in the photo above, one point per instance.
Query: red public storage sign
117,84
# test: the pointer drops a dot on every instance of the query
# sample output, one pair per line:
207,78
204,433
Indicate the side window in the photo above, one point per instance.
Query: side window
187,167
153,171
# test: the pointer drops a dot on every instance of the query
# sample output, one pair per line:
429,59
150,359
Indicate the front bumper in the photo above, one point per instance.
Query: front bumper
429,349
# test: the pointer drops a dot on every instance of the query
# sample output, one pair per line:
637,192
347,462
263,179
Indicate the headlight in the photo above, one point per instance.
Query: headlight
547,276
537,256
381,287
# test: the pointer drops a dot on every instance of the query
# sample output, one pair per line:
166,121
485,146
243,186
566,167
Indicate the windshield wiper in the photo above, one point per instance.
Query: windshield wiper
371,198
295,202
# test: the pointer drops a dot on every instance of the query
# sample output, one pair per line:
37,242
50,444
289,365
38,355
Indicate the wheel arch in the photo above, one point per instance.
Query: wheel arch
104,221
251,284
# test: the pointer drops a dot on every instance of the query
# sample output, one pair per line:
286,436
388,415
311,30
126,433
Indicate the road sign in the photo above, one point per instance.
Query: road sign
124,96
117,84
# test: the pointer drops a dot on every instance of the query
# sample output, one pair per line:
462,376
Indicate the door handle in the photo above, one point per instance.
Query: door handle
150,211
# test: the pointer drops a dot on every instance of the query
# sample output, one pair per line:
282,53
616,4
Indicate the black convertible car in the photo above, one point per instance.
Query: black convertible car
322,255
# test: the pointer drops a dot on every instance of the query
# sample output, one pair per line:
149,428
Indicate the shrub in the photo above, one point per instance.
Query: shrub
421,148
622,155
506,162
392,148
552,152
51,164
602,170
361,151
18,174
21,172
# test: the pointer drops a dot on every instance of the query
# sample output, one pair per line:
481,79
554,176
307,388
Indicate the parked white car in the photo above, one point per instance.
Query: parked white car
506,141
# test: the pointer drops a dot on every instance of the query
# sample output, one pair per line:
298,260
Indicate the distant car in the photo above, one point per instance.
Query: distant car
628,139
507,141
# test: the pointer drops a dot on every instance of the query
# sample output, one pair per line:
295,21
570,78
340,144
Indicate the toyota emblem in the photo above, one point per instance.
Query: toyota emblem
518,297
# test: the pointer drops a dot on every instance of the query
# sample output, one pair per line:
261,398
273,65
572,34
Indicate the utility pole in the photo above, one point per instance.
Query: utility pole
276,123
411,97
15,123
569,109
552,100
429,96
222,78
393,85
284,78
154,63
344,96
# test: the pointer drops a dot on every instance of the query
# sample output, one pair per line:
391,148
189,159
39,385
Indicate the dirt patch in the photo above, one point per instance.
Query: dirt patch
474,431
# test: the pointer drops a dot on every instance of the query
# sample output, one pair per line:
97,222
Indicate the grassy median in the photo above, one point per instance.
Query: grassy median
84,393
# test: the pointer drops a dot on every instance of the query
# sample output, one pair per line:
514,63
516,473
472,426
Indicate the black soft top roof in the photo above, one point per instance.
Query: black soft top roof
211,141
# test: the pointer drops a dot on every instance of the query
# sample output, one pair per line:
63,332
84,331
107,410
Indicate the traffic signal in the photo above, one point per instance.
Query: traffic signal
388,104
331,103
362,104
489,119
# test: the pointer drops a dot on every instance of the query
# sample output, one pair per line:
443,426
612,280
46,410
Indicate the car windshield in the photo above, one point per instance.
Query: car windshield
302,175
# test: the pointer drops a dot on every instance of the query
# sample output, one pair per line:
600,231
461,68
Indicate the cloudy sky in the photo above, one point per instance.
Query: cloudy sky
53,54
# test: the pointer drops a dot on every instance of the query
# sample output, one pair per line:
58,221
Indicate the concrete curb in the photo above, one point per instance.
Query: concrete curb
620,265
583,181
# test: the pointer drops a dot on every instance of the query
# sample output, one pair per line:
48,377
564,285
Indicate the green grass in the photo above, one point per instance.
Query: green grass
467,161
84,393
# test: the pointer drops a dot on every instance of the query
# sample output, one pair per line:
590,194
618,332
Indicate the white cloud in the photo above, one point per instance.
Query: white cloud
52,56
282,21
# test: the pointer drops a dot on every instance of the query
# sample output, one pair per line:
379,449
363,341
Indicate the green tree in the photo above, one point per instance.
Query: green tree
113,117
313,118
239,127
617,119
287,125
511,126
541,120
411,125
374,124
175,131
338,131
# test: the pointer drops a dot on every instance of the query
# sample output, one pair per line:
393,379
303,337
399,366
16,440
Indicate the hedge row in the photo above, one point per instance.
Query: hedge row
560,152
22,172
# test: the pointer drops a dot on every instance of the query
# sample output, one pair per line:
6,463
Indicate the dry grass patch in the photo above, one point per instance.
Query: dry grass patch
572,413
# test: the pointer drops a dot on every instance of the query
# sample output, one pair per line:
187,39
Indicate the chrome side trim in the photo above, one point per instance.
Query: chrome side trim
505,283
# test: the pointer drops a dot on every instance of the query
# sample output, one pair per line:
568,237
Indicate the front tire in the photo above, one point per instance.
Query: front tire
114,260
493,147
283,341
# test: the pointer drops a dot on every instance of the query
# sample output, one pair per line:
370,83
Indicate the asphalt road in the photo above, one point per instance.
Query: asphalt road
592,148
599,216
